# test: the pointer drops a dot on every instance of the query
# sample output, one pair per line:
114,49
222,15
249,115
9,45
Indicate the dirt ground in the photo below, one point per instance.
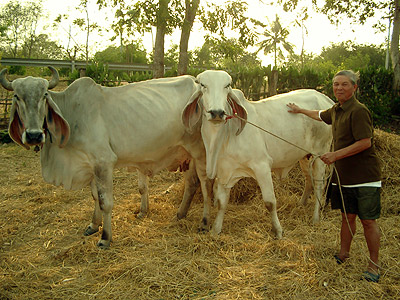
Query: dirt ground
44,255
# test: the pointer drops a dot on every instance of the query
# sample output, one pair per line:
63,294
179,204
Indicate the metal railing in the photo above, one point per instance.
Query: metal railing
73,64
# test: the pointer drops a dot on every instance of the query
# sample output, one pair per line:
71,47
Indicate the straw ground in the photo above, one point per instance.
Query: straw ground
44,255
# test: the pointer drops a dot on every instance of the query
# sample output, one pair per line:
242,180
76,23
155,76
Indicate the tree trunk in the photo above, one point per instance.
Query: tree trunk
272,83
158,62
87,34
394,47
190,14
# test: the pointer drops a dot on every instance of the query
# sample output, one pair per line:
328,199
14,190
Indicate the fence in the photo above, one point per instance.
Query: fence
72,64
5,105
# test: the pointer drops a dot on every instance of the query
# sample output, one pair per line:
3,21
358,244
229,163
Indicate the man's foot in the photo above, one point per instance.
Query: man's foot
371,277
340,259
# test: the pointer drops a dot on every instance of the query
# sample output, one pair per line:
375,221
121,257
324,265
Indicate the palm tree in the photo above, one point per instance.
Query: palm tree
275,36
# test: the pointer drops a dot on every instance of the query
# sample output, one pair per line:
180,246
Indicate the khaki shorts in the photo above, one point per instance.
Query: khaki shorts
362,201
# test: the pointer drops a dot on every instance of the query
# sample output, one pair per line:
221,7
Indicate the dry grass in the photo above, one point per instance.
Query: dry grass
44,254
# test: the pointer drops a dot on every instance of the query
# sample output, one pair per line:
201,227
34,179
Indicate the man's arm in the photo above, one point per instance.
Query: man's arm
353,149
314,114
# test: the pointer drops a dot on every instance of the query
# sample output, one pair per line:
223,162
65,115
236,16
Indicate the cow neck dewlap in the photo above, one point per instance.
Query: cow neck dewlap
214,138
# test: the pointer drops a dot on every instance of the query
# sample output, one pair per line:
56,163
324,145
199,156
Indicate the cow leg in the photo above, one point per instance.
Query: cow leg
97,218
103,177
319,180
143,182
207,192
308,187
191,184
264,178
222,196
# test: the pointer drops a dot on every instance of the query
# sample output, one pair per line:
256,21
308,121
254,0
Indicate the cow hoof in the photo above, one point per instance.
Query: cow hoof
215,233
202,229
141,215
180,216
89,231
102,244
278,235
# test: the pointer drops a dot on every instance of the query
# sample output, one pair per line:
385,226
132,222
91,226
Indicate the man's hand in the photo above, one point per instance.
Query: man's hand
329,158
293,108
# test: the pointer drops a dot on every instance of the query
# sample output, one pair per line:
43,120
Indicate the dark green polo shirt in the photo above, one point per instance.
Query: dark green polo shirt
352,122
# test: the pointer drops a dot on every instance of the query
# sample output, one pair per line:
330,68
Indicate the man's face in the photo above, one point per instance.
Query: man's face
343,88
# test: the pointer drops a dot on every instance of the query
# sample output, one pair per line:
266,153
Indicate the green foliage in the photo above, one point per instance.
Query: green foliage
131,53
375,91
4,137
138,76
17,70
99,73
230,15
222,53
44,48
348,55
250,80
171,57
291,78
18,23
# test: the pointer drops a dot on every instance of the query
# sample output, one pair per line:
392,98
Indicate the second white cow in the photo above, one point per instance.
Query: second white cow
235,149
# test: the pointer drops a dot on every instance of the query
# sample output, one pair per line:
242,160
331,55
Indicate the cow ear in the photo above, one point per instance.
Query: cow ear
15,127
56,124
192,112
236,98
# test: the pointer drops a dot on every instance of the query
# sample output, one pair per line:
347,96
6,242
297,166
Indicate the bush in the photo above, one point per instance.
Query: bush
4,137
375,91
17,70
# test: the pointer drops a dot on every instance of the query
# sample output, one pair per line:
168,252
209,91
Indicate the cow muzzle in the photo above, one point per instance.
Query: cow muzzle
33,137
216,116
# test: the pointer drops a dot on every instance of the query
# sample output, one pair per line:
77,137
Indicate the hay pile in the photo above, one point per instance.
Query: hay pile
45,256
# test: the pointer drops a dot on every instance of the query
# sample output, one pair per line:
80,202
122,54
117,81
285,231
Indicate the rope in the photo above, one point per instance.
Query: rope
297,146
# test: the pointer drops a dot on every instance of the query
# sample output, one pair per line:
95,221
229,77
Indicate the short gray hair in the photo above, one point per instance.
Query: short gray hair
353,76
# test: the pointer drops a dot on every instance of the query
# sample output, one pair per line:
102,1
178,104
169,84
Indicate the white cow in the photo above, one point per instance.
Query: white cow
87,130
235,149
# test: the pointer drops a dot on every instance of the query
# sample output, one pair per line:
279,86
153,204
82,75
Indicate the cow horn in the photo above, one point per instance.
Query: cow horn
54,78
4,81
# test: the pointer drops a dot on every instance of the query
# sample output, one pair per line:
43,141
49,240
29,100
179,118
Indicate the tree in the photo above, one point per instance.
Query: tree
231,15
44,48
18,25
275,37
353,56
85,24
158,58
301,18
167,15
75,26
132,53
360,11
191,8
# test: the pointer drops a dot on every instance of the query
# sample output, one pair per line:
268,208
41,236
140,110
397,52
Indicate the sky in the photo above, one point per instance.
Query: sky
320,33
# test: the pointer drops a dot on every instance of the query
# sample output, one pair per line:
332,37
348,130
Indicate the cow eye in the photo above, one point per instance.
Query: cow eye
16,97
202,85
228,85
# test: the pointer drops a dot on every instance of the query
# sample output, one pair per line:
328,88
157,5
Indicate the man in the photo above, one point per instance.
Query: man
359,177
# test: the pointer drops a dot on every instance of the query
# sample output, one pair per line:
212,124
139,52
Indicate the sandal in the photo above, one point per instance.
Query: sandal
371,277
338,259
